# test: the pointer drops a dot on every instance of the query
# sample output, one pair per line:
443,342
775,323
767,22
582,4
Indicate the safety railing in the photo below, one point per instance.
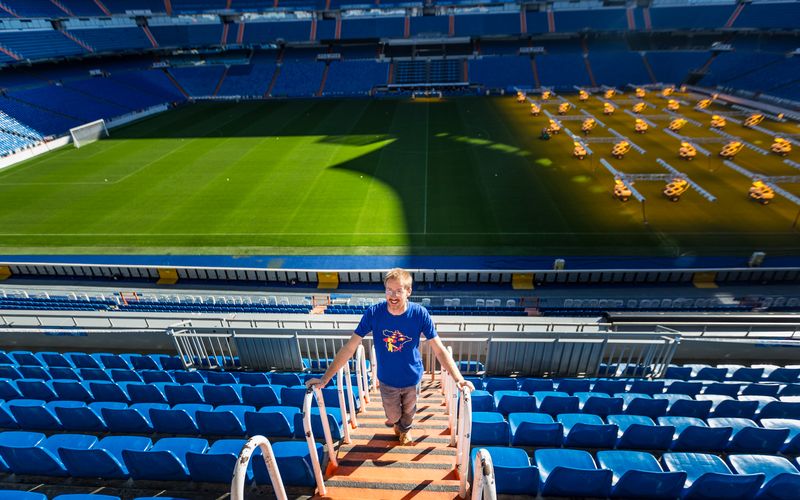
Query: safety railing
459,422
362,376
483,483
316,392
344,373
240,470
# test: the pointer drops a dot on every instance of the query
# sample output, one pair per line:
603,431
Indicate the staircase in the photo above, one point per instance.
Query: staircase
374,465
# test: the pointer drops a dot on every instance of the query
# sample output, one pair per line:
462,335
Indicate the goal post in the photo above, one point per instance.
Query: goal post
88,133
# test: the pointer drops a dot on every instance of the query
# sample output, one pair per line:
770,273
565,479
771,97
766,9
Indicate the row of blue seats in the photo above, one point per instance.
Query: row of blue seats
32,495
632,474
659,405
639,386
149,418
580,430
139,458
734,373
99,360
162,392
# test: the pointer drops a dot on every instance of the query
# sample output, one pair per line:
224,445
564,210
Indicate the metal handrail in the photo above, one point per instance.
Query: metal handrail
483,479
374,367
464,438
240,470
342,407
309,432
362,378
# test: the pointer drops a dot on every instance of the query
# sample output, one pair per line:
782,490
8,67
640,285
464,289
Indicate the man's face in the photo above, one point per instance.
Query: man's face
397,296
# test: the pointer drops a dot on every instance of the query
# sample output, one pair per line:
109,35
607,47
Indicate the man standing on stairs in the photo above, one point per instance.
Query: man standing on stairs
396,325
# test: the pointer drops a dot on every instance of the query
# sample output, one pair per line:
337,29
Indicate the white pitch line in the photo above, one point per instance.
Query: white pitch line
427,145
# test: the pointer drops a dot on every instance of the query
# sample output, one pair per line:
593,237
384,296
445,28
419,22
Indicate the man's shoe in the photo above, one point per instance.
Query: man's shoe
405,438
397,431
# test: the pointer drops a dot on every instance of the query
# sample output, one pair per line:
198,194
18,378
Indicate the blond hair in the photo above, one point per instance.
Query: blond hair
401,275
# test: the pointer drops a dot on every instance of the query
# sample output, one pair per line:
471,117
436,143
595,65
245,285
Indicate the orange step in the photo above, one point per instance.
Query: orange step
375,466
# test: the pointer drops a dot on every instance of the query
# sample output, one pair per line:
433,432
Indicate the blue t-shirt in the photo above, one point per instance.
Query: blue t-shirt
396,341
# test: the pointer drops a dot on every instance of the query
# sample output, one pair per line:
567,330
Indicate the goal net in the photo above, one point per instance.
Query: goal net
88,133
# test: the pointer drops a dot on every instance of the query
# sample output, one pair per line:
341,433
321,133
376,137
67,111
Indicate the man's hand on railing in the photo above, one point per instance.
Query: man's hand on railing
466,383
310,383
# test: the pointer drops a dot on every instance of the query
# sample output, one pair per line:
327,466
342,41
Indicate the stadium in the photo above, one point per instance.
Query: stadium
598,202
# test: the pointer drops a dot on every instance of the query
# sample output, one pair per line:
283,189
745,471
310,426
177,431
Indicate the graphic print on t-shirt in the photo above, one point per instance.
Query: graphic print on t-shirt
395,340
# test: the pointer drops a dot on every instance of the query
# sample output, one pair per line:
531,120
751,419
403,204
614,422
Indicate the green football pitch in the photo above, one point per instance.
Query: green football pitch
460,176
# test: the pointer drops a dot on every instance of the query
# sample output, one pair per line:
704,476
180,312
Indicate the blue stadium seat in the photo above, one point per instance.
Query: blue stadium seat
77,416
739,373
252,378
573,385
286,379
165,460
217,463
36,389
514,402
489,428
82,360
707,476
638,474
587,431
21,495
777,409
501,384
33,414
72,390
764,389
681,405
535,429
64,373
42,459
482,401
151,392
222,394
781,374
725,406
261,395
271,421
643,404
155,376
781,478
514,474
723,389
638,432
791,445
692,434
599,403
10,372
141,362
678,372
94,374
108,391
109,361
294,463
7,420
85,496
609,386
13,440
124,375
104,459
121,418
25,358
748,437
9,390
571,473
180,419
335,423
184,394
691,388
220,378
555,402
225,420
187,377
532,385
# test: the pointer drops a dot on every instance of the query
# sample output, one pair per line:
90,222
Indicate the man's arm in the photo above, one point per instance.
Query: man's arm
341,358
446,360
